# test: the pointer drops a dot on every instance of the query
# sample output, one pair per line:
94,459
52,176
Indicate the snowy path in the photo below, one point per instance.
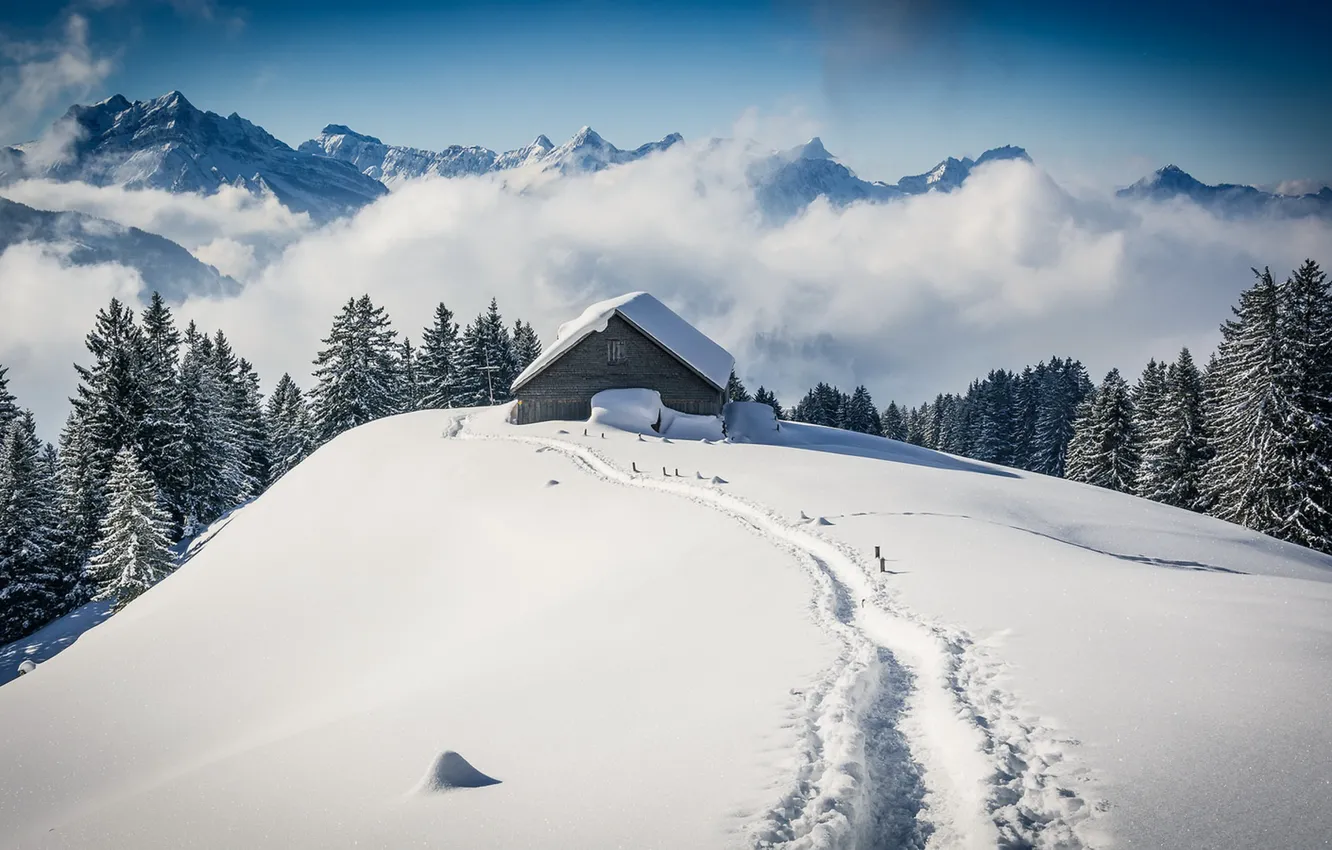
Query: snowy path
909,742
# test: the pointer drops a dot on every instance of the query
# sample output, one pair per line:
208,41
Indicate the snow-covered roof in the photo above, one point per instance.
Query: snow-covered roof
661,324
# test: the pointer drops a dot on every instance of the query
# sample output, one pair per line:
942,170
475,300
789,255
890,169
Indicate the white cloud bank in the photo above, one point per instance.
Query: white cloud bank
910,298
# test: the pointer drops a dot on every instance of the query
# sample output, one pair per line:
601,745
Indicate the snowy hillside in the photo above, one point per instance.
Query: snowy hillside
708,659
167,143
163,265
585,152
1227,199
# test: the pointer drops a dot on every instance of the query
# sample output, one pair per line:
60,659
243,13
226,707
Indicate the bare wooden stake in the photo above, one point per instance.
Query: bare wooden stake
584,432
677,472
663,470
883,565
876,553
635,465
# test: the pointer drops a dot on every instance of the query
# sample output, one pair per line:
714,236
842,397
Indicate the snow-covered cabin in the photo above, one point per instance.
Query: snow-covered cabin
633,341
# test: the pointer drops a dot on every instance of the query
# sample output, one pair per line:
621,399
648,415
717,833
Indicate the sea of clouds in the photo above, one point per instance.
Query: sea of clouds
910,298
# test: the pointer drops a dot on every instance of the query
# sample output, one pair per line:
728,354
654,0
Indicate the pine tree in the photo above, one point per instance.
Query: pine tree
251,431
409,385
1079,459
498,352
861,415
288,420
8,410
735,389
29,579
215,476
437,362
80,512
1066,385
133,552
1249,414
476,383
356,371
110,403
994,441
917,425
1305,369
894,422
161,433
526,345
766,396
1176,451
1103,450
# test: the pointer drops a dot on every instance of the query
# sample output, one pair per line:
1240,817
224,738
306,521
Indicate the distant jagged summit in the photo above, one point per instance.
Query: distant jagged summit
168,143
1227,199
585,151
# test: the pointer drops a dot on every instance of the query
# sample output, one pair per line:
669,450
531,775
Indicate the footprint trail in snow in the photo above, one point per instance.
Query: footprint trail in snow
907,741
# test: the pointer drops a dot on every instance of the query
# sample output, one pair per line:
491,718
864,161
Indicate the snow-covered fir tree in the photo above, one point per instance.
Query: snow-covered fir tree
894,422
409,385
161,434
861,415
1250,412
917,425
8,408
735,389
766,396
133,552
1065,386
288,419
30,581
1104,448
356,372
437,362
215,478
526,345
995,419
498,357
1176,449
1305,367
251,430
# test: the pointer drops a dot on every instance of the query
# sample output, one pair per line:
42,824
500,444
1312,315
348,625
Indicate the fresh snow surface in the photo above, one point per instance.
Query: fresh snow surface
653,318
709,659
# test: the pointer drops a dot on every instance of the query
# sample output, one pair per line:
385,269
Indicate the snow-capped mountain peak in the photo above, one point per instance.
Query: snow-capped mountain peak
168,143
813,149
1226,199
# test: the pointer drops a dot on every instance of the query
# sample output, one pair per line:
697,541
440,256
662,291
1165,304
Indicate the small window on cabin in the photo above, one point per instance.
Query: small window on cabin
615,351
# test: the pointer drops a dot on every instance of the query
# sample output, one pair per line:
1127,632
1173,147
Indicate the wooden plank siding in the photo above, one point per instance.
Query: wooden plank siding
564,389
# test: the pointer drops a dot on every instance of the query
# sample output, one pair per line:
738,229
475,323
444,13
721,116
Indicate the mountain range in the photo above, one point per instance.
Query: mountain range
1227,198
163,265
167,143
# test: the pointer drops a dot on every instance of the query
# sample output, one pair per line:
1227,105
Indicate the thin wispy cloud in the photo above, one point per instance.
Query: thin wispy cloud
37,75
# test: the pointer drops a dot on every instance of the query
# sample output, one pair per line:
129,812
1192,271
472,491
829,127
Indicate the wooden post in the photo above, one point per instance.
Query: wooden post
876,553
677,472
663,470
635,465
883,567
584,432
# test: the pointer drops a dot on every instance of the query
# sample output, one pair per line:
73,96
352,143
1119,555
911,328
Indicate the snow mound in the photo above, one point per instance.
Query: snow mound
641,411
451,770
750,421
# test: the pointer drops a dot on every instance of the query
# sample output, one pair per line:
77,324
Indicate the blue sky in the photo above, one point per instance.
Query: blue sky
1096,91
